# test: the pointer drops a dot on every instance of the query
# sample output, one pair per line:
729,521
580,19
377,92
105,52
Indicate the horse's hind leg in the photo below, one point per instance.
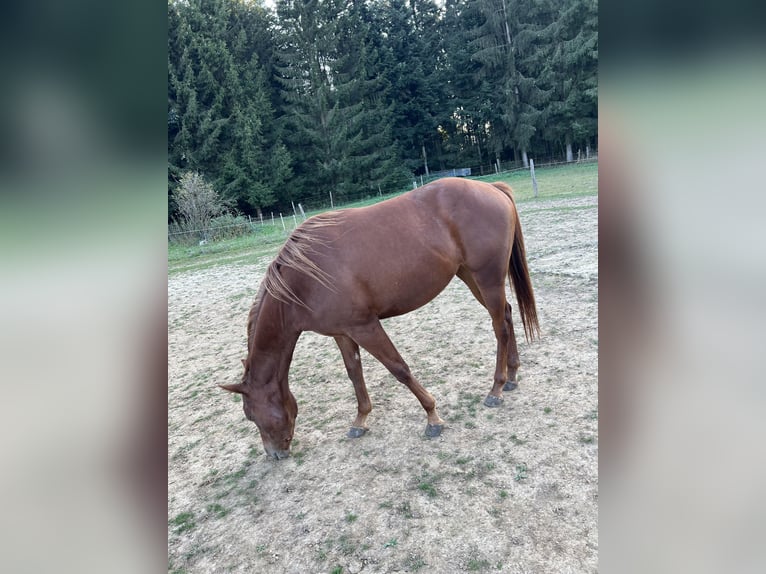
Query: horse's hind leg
491,285
350,352
375,340
512,353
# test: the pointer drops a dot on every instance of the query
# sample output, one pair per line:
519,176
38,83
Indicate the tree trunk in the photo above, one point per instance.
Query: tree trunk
524,158
425,158
570,157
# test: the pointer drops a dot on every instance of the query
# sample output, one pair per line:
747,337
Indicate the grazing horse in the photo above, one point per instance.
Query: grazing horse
341,272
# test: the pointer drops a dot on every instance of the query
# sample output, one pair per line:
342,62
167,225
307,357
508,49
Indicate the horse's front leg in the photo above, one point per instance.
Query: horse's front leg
375,341
350,352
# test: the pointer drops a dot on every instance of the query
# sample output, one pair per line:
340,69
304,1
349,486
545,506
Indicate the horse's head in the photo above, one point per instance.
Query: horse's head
273,408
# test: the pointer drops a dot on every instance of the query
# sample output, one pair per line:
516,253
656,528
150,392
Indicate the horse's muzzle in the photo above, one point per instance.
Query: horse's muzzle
278,454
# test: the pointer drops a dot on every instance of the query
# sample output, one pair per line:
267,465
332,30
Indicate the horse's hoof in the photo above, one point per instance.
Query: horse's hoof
432,431
493,401
510,385
356,432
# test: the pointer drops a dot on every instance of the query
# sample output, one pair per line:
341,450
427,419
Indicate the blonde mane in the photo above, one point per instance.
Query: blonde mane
295,254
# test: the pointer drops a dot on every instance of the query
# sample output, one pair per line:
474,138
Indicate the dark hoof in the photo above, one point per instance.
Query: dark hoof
356,432
493,401
432,431
510,385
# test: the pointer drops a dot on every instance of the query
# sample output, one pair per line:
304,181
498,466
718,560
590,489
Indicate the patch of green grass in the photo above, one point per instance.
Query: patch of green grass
503,494
391,543
298,456
570,180
475,565
547,410
337,570
351,517
517,441
415,562
183,522
346,545
521,472
428,488
218,510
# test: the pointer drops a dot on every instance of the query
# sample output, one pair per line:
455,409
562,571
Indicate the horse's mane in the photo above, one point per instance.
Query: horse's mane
252,317
295,254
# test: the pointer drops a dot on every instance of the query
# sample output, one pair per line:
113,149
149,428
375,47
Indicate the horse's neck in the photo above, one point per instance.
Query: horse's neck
272,340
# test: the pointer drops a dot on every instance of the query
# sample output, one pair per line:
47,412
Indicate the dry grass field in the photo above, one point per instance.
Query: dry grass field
509,489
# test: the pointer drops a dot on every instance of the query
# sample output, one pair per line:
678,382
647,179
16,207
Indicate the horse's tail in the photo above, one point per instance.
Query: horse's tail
519,273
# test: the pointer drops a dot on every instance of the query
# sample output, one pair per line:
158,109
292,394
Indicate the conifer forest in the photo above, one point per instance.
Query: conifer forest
288,101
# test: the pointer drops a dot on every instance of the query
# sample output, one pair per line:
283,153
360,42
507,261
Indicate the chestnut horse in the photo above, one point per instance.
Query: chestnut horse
341,272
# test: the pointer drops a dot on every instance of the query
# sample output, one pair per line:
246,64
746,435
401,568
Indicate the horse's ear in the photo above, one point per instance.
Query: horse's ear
235,388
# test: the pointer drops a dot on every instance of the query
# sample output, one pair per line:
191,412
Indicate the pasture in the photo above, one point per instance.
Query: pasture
509,489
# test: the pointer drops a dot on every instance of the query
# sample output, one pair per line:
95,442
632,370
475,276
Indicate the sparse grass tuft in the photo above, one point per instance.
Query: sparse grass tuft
218,510
428,488
476,565
521,472
405,509
517,441
183,522
415,562
351,517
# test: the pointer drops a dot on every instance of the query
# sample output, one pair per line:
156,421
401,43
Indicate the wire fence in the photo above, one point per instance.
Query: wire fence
280,224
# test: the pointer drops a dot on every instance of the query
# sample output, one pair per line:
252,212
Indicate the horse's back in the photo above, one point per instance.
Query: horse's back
395,256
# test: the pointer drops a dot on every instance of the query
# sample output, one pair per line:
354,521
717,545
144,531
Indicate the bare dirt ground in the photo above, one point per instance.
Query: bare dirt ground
510,489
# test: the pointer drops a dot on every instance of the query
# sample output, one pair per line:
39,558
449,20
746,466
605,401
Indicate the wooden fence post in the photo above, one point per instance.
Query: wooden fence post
282,219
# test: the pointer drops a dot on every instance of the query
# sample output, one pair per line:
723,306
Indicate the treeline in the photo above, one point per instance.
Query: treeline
355,96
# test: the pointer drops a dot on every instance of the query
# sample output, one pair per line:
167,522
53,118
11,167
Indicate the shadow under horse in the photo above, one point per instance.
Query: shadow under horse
341,272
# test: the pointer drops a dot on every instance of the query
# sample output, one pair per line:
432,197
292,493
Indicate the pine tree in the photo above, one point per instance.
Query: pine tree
572,116
220,119
413,64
